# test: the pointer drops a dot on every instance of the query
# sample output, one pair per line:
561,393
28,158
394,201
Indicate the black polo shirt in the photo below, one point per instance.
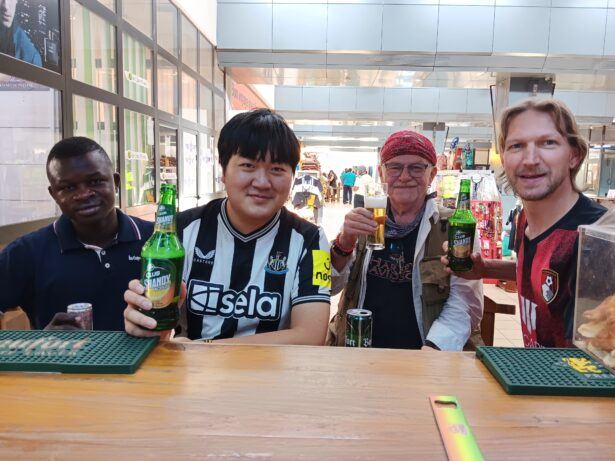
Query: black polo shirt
46,270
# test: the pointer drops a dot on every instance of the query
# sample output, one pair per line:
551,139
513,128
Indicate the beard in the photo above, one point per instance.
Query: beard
549,184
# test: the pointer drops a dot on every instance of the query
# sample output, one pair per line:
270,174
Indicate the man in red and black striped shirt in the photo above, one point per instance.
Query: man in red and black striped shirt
542,152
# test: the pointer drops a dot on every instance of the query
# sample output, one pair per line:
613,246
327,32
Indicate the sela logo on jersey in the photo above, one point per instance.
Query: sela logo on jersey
201,258
549,285
276,264
206,298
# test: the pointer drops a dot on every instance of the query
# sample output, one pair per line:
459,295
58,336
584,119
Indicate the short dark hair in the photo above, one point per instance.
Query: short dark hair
255,134
74,147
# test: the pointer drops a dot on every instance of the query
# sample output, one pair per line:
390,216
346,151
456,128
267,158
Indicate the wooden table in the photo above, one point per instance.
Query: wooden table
196,401
497,301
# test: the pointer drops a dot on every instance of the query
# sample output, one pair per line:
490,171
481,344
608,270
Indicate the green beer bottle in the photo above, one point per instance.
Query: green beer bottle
162,262
461,229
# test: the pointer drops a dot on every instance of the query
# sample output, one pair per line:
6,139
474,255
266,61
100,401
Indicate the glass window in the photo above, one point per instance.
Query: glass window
219,116
206,57
139,14
168,155
98,121
167,26
188,97
188,173
206,112
92,48
30,32
137,70
206,166
218,184
189,53
140,176
167,86
27,132
108,3
218,74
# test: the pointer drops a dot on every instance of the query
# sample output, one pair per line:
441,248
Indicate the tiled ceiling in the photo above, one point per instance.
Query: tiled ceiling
405,79
349,132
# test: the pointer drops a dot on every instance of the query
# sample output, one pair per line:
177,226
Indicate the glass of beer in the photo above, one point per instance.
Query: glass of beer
376,202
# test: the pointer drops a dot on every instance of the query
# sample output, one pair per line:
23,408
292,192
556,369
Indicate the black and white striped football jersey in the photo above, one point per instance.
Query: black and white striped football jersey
240,284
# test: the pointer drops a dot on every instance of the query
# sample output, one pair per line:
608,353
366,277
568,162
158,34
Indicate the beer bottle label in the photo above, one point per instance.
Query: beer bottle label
159,282
462,244
464,201
165,215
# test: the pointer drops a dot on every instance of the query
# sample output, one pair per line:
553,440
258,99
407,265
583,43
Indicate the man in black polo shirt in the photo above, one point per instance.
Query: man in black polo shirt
89,254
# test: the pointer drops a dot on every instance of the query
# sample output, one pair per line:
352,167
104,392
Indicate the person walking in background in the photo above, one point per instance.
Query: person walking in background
360,186
348,178
332,179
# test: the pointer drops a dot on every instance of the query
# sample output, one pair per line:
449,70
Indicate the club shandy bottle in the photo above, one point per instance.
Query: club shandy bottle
461,228
162,262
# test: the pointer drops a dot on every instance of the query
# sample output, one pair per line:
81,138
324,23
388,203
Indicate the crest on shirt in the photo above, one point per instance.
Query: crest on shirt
276,264
549,284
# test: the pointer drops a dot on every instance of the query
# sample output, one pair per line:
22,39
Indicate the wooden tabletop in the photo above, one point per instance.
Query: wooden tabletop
196,401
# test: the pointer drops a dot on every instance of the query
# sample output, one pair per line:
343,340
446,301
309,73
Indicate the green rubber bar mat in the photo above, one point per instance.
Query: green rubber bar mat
74,351
557,371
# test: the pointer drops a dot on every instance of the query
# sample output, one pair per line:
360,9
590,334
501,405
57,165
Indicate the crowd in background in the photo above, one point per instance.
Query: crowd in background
351,182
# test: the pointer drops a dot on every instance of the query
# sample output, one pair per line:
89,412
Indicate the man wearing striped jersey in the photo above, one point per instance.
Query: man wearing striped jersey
254,272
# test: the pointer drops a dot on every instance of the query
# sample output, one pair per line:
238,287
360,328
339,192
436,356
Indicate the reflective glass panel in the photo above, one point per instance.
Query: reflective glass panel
188,98
167,86
206,51
98,121
206,166
206,113
137,70
188,173
167,26
140,176
168,155
139,14
92,48
189,49
27,132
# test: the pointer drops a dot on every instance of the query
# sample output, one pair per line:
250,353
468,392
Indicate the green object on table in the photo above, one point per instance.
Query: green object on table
74,351
547,371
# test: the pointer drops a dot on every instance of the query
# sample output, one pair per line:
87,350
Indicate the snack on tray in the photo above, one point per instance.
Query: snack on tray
599,331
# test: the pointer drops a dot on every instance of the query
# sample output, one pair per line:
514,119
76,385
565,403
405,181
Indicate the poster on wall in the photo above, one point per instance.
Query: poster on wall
30,31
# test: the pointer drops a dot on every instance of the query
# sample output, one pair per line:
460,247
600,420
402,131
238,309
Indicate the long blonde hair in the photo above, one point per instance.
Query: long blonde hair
563,119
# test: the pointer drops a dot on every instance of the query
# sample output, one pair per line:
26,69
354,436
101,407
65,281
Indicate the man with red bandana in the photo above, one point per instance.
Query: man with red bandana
415,304
542,152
